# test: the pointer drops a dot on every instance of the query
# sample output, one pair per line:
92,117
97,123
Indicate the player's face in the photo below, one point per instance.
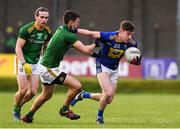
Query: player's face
42,18
126,35
75,24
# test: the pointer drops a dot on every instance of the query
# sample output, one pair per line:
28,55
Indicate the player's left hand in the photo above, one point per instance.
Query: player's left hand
27,68
136,60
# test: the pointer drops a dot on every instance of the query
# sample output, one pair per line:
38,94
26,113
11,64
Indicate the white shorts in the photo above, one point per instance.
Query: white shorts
18,68
113,74
48,75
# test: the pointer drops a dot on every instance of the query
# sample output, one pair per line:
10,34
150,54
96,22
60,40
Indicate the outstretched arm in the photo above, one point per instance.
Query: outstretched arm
85,49
93,34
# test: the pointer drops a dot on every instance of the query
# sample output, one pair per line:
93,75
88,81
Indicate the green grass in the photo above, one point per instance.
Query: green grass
126,111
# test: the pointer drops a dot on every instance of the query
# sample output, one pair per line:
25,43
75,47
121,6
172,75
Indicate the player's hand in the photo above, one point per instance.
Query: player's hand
97,42
136,60
95,55
27,68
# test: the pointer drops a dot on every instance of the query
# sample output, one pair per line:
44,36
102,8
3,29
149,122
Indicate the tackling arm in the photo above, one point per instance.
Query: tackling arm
93,34
85,49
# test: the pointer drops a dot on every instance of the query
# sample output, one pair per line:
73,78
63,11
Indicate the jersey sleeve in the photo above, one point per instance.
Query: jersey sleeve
72,38
23,33
104,35
108,36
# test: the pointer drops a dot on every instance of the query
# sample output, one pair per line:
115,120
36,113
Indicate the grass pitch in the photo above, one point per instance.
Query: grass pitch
126,111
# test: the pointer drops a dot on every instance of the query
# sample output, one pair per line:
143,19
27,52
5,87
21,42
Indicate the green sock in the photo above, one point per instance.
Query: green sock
64,108
30,114
16,108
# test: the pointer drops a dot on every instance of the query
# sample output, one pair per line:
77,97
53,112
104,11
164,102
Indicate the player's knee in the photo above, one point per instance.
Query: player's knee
110,100
77,86
108,95
23,91
33,93
47,96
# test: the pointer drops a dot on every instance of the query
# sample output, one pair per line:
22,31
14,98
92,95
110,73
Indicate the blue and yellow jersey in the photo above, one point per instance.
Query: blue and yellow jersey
111,51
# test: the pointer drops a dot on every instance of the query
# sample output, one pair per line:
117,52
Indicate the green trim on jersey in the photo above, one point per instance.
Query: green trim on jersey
59,44
35,39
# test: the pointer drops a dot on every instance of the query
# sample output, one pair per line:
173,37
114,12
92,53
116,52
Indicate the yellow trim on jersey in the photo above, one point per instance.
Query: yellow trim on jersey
48,29
31,28
112,37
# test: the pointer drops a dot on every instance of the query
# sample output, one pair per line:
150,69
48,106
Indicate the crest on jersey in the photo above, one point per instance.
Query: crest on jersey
61,79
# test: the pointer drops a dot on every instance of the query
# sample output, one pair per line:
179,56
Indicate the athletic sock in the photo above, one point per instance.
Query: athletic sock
86,95
64,108
16,108
100,113
30,114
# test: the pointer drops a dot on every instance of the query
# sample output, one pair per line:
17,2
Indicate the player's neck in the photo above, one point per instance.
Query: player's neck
118,38
38,26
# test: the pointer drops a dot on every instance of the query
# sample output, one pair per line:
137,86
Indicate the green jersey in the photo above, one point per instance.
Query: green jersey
34,41
61,41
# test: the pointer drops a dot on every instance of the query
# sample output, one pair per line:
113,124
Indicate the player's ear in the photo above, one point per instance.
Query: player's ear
70,23
35,17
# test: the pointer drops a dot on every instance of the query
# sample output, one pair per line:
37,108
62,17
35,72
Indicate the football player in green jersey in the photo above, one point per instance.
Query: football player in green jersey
32,38
64,38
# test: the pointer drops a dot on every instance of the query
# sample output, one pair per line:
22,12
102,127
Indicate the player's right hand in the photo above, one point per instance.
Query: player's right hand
136,60
27,68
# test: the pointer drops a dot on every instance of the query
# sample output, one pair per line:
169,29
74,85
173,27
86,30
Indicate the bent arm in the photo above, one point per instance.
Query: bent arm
19,45
85,49
93,34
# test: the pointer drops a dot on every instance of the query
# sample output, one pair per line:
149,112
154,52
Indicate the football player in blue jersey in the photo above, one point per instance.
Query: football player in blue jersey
112,48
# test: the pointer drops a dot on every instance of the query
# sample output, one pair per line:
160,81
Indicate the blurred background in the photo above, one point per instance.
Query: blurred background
157,30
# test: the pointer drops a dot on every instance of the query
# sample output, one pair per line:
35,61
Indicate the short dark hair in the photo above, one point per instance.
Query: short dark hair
70,15
127,25
40,9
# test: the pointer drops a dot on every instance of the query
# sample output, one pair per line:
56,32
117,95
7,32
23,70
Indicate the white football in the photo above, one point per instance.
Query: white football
131,52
